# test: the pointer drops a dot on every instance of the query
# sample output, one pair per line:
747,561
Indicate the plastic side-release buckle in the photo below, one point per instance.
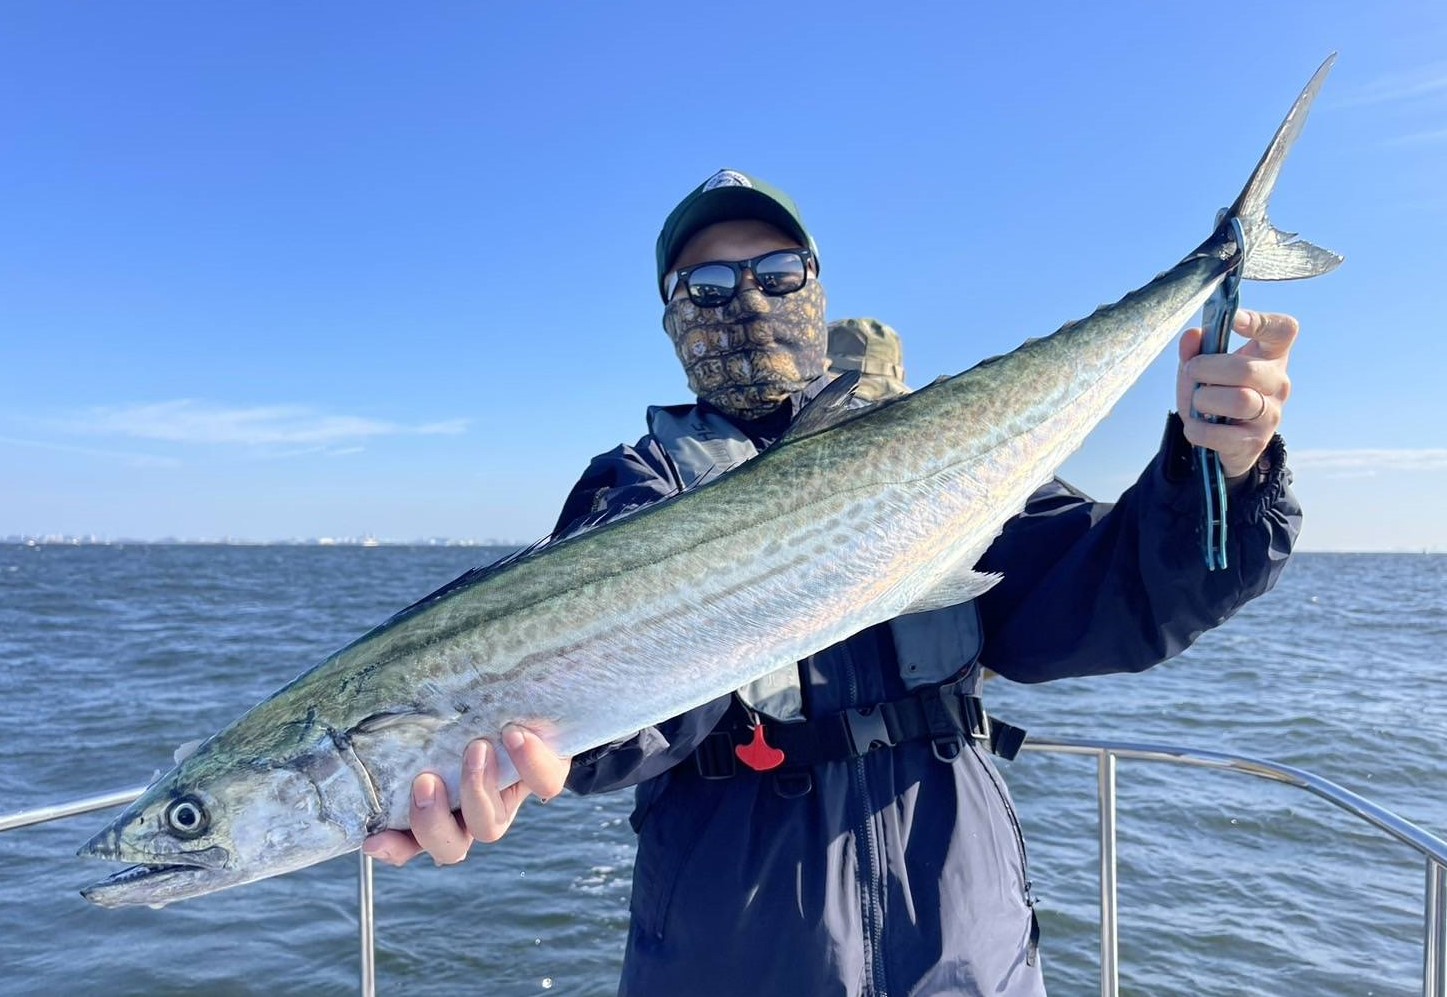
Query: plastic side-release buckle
866,730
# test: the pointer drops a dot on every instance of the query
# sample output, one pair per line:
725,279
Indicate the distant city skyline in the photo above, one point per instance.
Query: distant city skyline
94,540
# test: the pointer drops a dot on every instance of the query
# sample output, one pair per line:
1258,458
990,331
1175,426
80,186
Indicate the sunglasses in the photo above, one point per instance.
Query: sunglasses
711,285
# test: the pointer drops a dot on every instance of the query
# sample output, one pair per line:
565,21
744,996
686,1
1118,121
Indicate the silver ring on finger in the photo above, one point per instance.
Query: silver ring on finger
1262,411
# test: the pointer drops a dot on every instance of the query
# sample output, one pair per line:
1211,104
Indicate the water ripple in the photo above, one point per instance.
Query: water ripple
114,656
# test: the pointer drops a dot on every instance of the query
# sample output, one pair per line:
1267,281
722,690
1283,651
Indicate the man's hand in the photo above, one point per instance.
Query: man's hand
1250,387
486,812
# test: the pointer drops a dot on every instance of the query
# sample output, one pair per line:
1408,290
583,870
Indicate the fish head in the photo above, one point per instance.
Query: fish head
214,822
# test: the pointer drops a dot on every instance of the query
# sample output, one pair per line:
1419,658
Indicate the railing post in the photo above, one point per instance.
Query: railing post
364,922
1434,932
1109,927
27,818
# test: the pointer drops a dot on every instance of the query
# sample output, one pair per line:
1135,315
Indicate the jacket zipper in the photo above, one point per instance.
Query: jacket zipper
869,861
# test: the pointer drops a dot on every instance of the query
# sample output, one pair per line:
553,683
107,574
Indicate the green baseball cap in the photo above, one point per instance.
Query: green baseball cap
726,196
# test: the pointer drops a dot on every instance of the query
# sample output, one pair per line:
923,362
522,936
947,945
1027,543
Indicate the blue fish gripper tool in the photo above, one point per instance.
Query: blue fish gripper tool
1217,317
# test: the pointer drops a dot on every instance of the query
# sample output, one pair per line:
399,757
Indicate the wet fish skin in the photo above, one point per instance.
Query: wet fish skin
855,518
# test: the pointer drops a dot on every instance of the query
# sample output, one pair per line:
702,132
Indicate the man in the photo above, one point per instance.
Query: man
872,348
901,869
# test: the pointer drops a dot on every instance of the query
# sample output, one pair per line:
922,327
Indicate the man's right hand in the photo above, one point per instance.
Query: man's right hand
486,811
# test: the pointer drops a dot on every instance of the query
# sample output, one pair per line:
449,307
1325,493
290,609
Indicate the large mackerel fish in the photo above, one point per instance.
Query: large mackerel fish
857,516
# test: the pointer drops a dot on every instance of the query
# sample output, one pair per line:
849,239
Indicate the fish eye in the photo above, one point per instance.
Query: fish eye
187,817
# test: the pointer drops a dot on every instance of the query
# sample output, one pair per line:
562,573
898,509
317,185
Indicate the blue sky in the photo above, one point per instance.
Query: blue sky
282,270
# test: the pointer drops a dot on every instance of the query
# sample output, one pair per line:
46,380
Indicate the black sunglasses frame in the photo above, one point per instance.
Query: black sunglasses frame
738,267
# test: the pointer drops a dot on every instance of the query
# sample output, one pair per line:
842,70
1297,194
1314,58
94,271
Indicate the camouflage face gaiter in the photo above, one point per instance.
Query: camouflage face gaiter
749,355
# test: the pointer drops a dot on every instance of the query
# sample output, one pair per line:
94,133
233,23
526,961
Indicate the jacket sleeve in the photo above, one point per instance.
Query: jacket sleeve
615,484
1091,587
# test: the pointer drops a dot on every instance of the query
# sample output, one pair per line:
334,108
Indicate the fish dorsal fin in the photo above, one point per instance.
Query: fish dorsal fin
186,750
835,404
956,588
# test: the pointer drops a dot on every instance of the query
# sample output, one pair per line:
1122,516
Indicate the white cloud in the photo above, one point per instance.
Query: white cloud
1430,136
198,422
1409,85
1356,463
287,452
124,456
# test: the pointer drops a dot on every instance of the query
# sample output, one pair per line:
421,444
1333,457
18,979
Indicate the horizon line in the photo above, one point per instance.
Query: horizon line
95,540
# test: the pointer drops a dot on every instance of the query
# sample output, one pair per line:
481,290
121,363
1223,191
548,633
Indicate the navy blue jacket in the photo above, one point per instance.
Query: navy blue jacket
899,873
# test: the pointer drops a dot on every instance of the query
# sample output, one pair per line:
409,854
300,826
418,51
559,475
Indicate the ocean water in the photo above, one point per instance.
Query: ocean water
110,657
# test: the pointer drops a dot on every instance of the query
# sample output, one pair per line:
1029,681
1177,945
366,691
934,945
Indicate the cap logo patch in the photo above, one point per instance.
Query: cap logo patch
727,178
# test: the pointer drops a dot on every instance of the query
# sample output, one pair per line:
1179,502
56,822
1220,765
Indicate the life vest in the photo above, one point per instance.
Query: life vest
933,647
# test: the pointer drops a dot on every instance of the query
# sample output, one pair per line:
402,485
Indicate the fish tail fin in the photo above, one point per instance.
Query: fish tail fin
1272,254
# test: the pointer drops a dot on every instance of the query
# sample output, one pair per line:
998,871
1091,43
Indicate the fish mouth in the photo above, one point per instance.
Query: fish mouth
104,892
156,882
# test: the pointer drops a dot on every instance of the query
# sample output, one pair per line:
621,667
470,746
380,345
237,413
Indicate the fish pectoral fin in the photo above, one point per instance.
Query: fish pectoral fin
394,719
956,588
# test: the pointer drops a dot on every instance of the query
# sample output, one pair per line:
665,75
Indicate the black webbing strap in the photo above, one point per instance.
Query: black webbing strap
943,716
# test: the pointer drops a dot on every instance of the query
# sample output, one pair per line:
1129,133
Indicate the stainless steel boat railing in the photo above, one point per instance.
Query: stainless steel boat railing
105,801
1107,754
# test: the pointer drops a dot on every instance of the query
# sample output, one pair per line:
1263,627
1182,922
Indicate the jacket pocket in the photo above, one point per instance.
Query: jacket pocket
1004,797
670,829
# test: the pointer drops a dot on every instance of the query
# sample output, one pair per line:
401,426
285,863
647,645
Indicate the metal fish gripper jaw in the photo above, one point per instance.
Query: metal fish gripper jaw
1217,317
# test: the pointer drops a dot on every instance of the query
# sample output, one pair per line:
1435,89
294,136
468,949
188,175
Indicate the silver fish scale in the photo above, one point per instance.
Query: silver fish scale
795,551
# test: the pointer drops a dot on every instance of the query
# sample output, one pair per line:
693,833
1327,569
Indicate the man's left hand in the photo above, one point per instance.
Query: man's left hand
486,812
1249,387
